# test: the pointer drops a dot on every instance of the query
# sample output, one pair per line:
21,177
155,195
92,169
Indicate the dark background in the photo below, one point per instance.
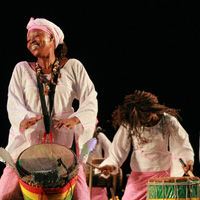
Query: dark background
124,47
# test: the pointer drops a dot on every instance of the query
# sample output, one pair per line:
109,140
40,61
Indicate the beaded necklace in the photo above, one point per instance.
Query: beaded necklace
55,74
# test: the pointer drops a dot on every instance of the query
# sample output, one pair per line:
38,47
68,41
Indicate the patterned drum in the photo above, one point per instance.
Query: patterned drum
170,188
49,172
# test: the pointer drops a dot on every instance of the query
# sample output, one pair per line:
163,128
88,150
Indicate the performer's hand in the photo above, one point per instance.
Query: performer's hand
189,166
107,169
68,123
27,123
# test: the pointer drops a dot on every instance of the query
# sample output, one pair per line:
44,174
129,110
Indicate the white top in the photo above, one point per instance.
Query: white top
103,144
153,156
24,102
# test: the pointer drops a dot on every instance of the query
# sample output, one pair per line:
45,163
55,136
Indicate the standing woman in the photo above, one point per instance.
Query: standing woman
158,141
62,81
101,150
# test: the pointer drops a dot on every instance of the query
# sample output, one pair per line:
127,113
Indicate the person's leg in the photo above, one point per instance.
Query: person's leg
9,185
81,190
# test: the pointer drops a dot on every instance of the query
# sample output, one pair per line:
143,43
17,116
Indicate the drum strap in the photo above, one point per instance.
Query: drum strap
44,106
47,115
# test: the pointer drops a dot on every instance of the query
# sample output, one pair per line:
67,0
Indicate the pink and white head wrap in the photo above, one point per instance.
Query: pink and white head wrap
47,26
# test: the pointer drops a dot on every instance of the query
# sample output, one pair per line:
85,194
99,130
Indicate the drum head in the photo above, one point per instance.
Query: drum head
44,157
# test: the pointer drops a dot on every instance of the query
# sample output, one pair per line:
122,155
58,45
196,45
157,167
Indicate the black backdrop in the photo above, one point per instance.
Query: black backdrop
151,47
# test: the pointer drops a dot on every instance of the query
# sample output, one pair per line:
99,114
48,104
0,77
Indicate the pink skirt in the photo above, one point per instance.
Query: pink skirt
136,187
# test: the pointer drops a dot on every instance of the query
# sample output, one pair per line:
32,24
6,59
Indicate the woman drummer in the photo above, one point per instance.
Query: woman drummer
63,80
152,129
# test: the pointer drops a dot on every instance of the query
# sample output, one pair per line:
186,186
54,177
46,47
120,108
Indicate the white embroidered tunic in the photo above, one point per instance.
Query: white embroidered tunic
168,142
24,102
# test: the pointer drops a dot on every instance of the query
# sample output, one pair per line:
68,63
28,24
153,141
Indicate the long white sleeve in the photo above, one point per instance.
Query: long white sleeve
180,146
16,107
86,94
105,143
119,149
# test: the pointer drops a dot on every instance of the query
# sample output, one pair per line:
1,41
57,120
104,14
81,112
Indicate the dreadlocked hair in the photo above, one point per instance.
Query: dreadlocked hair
134,111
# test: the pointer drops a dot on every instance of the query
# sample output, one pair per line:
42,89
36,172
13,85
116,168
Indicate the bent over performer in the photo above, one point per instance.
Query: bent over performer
63,81
158,141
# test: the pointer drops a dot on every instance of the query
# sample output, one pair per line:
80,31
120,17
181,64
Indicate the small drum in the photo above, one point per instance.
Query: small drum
173,188
114,181
49,171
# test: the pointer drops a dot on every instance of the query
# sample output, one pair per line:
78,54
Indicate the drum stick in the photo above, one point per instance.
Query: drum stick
92,165
189,172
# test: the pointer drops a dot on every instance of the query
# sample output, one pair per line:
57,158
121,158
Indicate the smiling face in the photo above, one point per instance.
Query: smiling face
40,43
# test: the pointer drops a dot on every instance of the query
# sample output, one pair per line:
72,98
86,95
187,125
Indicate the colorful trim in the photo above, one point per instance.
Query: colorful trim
34,193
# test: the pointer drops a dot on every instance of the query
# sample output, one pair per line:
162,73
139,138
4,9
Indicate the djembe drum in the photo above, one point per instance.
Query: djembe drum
48,171
173,188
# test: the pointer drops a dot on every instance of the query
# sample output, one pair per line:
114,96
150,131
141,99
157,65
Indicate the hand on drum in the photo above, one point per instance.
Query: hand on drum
189,166
107,169
27,123
68,123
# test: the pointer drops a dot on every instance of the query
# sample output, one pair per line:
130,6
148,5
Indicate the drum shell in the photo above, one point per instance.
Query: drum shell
173,188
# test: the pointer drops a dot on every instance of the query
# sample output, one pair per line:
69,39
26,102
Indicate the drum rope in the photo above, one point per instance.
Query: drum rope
60,162
43,194
191,188
163,191
186,193
156,191
176,187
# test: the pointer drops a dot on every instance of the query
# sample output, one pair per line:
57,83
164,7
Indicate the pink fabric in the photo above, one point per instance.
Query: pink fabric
10,189
9,185
136,187
99,193
41,28
81,190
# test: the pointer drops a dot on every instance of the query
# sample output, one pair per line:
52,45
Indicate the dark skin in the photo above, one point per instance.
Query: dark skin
153,119
42,45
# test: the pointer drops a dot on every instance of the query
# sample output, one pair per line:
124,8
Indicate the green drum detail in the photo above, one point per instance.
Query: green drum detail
174,188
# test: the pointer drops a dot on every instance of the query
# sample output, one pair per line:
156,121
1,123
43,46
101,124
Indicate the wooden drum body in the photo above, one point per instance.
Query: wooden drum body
171,188
49,171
